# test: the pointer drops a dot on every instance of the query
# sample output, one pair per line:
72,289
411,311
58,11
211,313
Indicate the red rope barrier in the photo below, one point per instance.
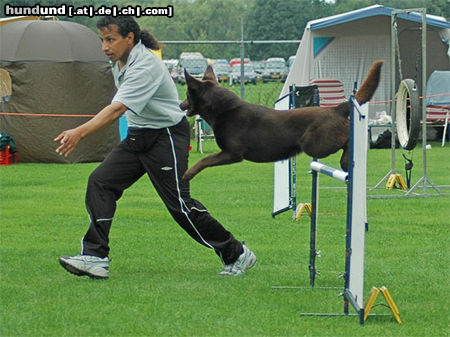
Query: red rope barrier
41,115
67,115
420,97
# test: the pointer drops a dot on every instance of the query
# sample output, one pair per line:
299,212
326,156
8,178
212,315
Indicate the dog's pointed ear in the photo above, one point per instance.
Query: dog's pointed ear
191,82
209,74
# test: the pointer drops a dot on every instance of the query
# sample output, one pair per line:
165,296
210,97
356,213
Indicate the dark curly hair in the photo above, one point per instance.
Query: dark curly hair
127,24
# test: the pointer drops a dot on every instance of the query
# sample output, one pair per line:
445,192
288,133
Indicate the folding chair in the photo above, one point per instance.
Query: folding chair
438,100
331,91
438,115
202,131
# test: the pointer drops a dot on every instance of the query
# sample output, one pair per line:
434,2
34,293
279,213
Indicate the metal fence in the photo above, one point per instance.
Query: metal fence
249,80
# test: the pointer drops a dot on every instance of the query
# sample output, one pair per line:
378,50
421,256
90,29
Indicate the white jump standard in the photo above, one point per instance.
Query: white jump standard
356,211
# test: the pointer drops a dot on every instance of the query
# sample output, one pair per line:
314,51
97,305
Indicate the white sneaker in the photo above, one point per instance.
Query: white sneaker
245,261
86,265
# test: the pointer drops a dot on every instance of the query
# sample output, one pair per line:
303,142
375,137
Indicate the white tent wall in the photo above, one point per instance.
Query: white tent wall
352,50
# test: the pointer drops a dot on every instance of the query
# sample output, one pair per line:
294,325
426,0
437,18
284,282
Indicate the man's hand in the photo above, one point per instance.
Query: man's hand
69,140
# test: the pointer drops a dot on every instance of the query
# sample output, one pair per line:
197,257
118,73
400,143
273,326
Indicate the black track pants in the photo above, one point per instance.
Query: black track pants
163,155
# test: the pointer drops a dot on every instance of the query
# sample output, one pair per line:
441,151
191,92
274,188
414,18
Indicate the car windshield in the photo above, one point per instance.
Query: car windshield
258,66
275,65
196,69
194,65
248,68
221,67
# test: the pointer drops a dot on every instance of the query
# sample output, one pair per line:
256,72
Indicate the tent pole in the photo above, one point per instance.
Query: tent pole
393,87
424,95
424,180
393,91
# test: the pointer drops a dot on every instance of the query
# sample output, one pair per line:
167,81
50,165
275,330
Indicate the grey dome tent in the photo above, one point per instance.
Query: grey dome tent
59,79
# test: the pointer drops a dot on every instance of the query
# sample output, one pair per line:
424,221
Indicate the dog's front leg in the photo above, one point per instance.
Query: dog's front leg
216,159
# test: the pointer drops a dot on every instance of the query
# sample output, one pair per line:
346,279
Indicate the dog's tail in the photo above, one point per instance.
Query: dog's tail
367,89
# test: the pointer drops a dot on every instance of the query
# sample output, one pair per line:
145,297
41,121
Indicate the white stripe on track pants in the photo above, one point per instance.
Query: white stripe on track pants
163,155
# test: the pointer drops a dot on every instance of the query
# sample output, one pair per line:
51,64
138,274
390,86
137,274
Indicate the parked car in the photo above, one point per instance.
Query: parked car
275,59
275,69
290,62
258,66
223,61
172,66
191,54
235,61
194,63
222,71
249,74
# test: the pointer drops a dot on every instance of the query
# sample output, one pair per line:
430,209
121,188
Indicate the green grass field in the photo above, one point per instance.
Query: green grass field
162,283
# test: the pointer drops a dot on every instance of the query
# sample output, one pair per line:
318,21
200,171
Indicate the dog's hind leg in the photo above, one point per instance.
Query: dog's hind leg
344,158
216,159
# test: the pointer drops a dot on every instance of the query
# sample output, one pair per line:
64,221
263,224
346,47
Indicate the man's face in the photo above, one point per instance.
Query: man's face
115,46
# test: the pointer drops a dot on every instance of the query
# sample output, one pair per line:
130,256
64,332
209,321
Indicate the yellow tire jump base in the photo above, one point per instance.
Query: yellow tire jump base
301,208
396,181
368,305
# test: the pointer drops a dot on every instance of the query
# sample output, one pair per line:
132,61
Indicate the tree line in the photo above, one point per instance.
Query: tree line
220,20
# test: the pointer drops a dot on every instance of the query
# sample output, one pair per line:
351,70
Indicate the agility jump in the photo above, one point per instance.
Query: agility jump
355,179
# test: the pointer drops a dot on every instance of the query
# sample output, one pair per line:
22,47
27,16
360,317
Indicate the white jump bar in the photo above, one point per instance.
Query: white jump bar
329,171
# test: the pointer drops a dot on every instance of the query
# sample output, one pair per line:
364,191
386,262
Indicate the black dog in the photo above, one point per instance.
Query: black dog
261,134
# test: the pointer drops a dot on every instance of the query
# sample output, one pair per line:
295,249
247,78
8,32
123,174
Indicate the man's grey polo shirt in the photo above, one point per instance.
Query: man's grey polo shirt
146,88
